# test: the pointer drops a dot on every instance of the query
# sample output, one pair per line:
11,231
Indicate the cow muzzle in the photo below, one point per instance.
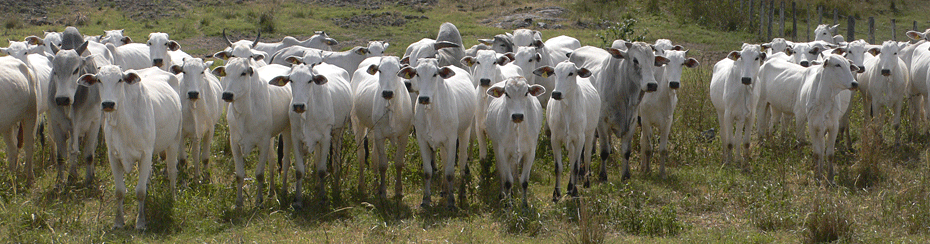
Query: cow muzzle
747,81
423,100
158,62
652,86
886,72
63,101
805,63
557,95
517,118
193,95
407,84
387,94
861,69
485,82
227,96
674,84
108,106
299,108
854,85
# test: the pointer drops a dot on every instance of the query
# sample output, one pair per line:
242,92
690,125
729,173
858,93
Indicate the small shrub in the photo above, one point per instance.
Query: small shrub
522,220
653,7
866,173
828,221
625,29
769,207
12,23
266,22
204,22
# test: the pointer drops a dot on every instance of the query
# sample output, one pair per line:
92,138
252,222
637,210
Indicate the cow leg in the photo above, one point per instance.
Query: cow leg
264,152
745,129
589,143
237,151
503,169
481,136
59,148
29,127
663,146
119,173
914,104
762,121
604,140
172,165
817,146
300,151
362,153
626,140
382,163
830,151
462,156
145,174
556,145
335,148
726,129
205,154
322,155
12,152
896,122
448,161
400,144
285,164
645,145
577,149
527,163
428,155
90,145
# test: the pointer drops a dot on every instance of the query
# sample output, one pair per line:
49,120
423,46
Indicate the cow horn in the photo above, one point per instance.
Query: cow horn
228,43
255,43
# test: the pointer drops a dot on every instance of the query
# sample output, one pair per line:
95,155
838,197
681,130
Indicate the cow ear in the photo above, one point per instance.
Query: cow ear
734,55
173,46
280,80
294,60
628,45
444,44
510,56
537,90
468,61
495,91
678,48
661,61
330,41
766,46
258,56
219,71
617,53
875,51
762,57
131,78
407,73
838,51
446,72
34,40
5,50
584,73
54,50
224,55
485,41
568,55
88,80
789,50
319,79
854,69
502,60
537,44
815,62
544,71
126,40
208,63
691,63
386,45
915,35
81,48
405,60
537,57
362,51
176,69
372,69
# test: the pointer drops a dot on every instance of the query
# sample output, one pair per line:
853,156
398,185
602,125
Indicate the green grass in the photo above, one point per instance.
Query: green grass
881,193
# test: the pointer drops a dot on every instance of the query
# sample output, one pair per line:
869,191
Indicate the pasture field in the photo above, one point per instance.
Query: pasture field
881,193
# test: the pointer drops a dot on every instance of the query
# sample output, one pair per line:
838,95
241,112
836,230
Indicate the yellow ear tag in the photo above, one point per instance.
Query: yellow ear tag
545,75
407,76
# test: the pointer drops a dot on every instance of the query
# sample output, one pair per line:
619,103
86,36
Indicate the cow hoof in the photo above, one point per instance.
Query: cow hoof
557,194
467,171
587,183
602,176
626,176
424,205
140,226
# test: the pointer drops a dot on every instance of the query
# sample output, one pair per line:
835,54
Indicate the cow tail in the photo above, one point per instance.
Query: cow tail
19,137
280,153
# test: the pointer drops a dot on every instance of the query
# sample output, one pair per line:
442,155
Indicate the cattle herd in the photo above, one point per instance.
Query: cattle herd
150,99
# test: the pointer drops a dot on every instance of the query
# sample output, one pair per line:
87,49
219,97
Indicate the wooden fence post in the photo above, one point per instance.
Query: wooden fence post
894,35
809,22
819,15
771,18
836,16
871,30
781,19
751,16
851,28
915,25
762,14
794,22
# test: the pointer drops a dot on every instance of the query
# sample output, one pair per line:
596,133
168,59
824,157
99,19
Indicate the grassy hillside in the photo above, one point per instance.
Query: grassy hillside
881,193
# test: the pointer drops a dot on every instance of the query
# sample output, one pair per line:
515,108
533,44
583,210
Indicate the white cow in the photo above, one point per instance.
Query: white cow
885,82
917,90
131,56
621,78
819,104
731,94
572,116
74,111
165,52
142,118
382,111
827,33
657,109
321,105
201,106
559,47
40,66
525,37
515,118
257,112
489,69
115,37
778,87
18,91
319,40
443,118
243,49
347,60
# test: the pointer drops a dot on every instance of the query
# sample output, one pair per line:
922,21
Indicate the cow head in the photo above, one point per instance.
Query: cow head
566,78
239,75
114,85
917,36
663,45
778,45
855,52
825,33
518,97
486,65
807,52
311,58
747,61
159,44
320,40
20,50
304,85
424,48
241,48
377,48
528,59
66,67
677,61
195,76
641,58
838,71
391,88
501,43
427,75
887,56
525,37
115,37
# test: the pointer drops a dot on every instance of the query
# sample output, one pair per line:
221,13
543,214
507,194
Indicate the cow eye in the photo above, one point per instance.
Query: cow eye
507,95
837,65
243,73
895,53
476,62
757,58
149,44
201,72
434,75
76,71
571,74
635,61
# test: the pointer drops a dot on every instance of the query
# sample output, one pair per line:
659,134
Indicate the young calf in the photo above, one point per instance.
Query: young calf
382,111
657,110
201,106
572,117
731,93
514,121
142,118
489,69
885,82
444,115
819,105
257,113
319,112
